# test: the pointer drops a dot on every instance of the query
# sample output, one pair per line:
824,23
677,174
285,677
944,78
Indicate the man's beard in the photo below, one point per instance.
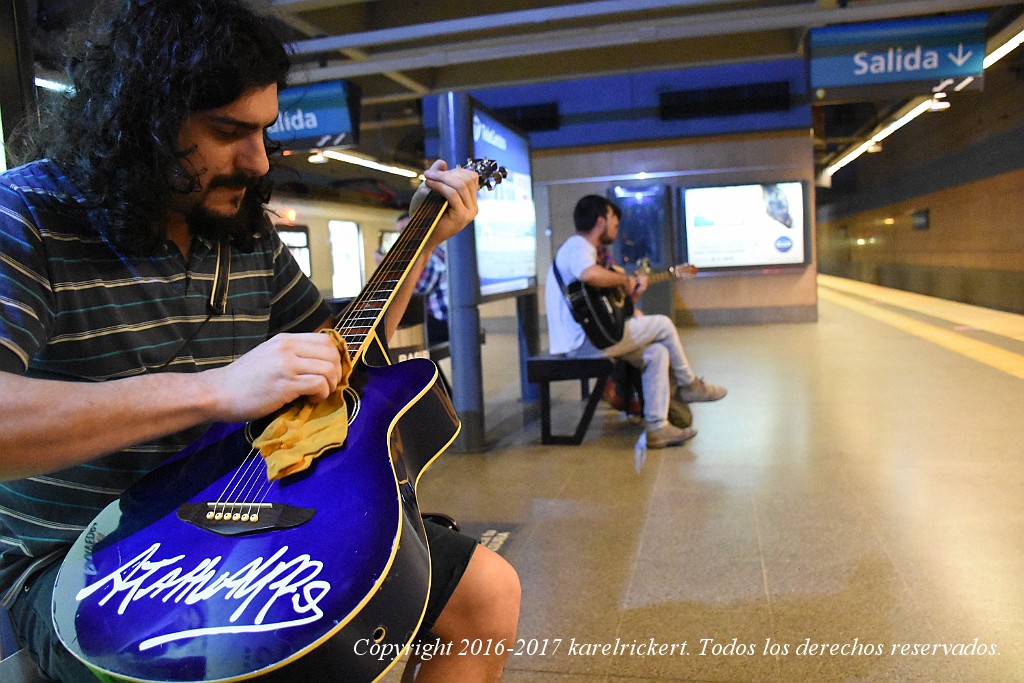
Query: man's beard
242,226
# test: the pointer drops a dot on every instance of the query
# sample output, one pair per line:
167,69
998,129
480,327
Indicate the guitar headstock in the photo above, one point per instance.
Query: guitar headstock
490,172
683,270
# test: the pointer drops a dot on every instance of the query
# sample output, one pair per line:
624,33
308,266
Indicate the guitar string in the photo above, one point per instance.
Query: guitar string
354,325
242,487
401,255
266,486
254,466
364,301
237,481
385,278
224,499
251,468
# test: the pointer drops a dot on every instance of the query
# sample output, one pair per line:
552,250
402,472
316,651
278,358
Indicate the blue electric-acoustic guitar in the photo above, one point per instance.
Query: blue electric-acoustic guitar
204,571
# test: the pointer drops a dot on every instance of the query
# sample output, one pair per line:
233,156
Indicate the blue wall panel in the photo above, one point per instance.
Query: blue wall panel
624,108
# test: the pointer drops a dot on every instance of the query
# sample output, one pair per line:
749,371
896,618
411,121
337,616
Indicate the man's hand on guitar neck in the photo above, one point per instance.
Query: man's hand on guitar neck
459,186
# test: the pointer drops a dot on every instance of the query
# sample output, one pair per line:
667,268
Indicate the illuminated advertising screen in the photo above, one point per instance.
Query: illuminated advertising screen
738,226
506,225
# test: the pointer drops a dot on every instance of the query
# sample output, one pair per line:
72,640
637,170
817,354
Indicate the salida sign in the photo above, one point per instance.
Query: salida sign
895,61
316,116
930,49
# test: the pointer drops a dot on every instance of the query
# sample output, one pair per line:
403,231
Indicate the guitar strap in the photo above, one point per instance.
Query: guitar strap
221,276
558,277
561,284
218,303
600,334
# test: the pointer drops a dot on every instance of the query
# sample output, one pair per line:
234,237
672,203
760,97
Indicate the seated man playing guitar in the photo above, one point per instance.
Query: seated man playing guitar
122,336
650,342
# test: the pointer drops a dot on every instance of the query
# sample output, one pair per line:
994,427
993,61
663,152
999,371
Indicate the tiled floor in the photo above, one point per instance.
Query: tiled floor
860,488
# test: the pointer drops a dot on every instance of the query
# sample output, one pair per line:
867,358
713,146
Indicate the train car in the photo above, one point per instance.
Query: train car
334,242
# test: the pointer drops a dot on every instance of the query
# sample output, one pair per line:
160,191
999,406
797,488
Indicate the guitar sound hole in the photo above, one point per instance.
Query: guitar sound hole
379,634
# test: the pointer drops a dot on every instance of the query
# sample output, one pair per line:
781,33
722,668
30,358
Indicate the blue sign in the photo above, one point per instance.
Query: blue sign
924,49
317,116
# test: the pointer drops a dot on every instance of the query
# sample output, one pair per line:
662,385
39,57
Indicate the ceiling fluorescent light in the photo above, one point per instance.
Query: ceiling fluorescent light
916,111
369,163
849,156
917,107
921,105
1004,49
964,83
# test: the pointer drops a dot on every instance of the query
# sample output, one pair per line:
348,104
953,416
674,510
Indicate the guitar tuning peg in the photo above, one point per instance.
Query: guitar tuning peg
490,173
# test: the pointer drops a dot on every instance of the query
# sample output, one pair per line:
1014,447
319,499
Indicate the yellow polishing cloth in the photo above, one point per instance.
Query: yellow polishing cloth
304,430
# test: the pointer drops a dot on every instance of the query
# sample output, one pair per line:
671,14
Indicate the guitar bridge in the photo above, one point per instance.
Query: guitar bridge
233,519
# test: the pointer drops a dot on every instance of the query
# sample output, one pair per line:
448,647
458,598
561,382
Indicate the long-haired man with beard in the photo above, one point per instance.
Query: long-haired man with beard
121,333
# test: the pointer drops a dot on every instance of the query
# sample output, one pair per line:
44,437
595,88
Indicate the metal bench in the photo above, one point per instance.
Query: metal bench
542,370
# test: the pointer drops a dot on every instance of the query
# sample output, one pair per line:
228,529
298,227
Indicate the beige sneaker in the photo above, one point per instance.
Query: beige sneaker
669,435
700,390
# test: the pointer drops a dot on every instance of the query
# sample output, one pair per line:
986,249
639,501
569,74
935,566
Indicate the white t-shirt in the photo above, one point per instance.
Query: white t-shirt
572,258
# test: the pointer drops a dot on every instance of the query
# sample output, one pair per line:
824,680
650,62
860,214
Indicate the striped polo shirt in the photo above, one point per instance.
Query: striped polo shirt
75,307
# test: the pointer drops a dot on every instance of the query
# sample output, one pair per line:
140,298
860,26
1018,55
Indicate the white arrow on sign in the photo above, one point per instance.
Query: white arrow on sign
960,58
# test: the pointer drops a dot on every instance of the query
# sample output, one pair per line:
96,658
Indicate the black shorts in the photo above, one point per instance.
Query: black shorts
449,556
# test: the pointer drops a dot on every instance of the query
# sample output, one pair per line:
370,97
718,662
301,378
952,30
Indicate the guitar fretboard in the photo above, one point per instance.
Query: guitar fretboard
365,312
673,273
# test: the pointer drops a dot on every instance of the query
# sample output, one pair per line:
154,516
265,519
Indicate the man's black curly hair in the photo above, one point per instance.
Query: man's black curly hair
590,208
157,62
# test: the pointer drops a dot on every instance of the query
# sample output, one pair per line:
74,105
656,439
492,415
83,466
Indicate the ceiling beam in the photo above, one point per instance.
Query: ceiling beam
502,20
414,87
632,33
661,57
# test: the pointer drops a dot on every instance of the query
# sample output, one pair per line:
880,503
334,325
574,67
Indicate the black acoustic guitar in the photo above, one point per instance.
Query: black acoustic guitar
603,311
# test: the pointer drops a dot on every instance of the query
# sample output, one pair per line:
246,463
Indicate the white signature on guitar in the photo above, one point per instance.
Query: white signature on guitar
268,580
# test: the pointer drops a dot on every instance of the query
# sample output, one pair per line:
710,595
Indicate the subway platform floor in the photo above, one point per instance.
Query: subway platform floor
853,510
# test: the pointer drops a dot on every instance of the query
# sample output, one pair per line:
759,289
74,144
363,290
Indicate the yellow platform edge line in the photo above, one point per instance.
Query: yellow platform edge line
1002,323
1006,361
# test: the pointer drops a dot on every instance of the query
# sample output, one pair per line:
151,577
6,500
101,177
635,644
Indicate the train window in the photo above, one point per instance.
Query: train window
385,238
296,238
347,258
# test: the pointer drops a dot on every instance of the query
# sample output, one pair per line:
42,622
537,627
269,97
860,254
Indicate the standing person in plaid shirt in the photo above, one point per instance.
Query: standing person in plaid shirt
433,287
